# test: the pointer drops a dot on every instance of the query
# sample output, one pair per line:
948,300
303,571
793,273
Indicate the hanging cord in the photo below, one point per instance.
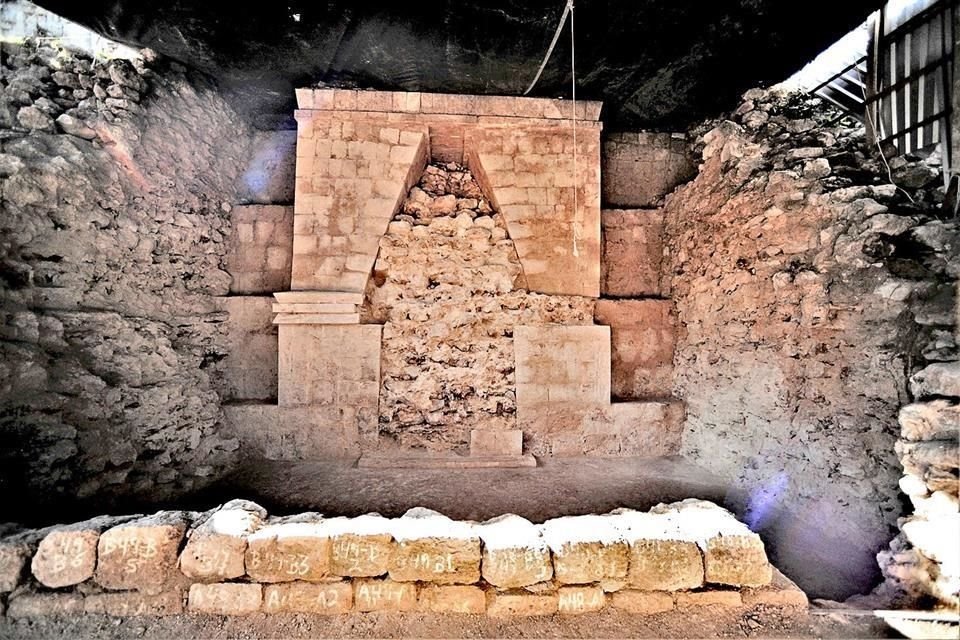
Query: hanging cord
553,43
573,106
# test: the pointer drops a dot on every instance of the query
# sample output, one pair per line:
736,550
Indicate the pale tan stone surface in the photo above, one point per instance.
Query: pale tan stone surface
32,605
131,603
521,603
689,599
259,255
14,557
665,565
573,600
288,551
781,592
586,562
736,560
300,433
360,547
556,364
384,595
303,597
249,370
643,335
452,599
65,558
632,252
332,365
437,560
225,599
217,543
140,554
640,168
490,442
514,553
642,602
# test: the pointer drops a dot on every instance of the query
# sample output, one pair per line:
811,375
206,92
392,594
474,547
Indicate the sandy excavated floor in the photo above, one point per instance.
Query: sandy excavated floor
708,623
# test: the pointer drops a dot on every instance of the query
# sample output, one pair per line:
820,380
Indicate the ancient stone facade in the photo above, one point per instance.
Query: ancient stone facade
807,287
234,560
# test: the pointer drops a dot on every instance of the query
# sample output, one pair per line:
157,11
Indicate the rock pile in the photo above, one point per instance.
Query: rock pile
234,560
449,288
809,286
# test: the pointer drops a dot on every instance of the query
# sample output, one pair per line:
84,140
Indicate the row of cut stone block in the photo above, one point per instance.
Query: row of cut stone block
674,547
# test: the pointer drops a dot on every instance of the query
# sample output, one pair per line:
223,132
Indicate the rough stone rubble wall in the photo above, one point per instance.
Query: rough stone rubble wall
234,560
116,188
449,288
807,289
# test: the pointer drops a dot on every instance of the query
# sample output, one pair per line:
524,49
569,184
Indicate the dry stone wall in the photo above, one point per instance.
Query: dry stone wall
117,181
807,288
449,289
235,560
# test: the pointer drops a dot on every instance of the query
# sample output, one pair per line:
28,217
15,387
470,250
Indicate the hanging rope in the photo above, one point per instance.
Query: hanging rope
553,43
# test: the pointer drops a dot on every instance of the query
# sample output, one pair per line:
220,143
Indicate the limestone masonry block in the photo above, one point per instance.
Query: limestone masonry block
639,169
581,599
642,602
643,335
131,603
586,549
384,595
732,554
452,599
690,599
303,597
14,558
514,553
288,551
432,548
249,370
31,605
662,557
140,554
225,599
299,433
361,547
496,442
66,558
781,592
216,546
259,256
521,603
632,252
561,364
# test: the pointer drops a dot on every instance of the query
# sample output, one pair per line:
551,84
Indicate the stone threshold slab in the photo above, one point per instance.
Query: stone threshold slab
445,462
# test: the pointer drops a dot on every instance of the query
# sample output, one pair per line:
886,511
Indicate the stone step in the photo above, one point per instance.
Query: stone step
444,462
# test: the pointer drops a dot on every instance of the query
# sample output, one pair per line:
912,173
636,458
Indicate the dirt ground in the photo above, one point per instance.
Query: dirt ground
556,487
703,623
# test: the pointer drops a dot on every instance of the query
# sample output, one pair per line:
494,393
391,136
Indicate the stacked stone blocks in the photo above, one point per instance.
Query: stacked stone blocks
238,561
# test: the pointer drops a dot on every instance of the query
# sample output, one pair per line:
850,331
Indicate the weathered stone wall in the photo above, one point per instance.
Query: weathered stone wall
639,169
449,289
116,187
806,288
234,560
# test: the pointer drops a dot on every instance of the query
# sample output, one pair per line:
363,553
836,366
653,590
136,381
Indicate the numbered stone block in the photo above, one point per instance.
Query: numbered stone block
521,603
289,551
217,544
662,557
514,553
732,554
65,558
225,599
581,599
642,603
362,547
452,599
134,604
304,597
586,549
384,595
433,548
142,553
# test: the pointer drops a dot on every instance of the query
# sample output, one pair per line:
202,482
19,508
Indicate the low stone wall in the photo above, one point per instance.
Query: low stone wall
234,560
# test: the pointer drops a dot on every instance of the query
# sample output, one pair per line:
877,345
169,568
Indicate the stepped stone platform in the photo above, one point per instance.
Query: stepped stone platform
235,560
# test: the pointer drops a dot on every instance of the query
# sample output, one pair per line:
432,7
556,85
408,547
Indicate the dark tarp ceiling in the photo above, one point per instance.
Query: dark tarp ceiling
655,63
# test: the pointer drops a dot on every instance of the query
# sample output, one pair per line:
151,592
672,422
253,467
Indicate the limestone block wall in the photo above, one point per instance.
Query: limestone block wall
632,253
235,560
639,169
643,337
259,257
